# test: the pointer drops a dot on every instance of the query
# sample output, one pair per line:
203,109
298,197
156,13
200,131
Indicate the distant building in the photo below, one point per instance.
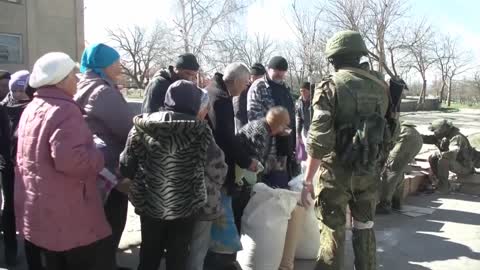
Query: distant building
31,28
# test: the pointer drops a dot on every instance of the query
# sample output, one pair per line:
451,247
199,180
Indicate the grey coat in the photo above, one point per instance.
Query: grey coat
107,114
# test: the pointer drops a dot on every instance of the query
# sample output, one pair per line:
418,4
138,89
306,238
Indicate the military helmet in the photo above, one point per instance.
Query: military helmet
346,42
440,126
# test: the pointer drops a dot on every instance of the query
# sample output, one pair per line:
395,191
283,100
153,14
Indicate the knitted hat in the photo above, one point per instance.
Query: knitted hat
183,97
187,61
278,63
305,85
51,69
257,69
18,81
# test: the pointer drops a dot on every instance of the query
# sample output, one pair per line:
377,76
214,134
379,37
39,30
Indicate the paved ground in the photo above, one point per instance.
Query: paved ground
448,239
466,119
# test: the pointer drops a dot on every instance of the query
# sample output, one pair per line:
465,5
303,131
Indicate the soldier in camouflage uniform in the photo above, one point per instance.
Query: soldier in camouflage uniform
344,144
407,146
455,155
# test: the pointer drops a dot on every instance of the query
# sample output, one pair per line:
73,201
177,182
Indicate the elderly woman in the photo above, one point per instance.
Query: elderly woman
215,174
57,204
14,104
165,157
109,117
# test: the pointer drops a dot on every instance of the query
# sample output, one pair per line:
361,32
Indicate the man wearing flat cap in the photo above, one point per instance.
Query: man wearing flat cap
186,68
264,94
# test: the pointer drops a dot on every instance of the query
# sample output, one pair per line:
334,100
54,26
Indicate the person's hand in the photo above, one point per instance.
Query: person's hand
253,166
123,185
307,194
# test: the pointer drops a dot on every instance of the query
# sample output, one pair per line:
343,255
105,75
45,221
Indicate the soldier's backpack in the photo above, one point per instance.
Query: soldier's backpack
361,143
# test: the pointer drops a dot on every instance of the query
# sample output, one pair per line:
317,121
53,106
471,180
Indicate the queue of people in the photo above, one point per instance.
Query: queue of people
75,155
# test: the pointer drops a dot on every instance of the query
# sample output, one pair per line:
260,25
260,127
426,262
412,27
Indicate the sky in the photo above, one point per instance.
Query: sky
459,17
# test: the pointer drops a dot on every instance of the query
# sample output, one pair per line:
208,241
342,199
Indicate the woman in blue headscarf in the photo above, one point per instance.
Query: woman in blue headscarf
109,118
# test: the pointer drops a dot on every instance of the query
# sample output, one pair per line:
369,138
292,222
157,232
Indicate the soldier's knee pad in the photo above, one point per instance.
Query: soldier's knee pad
358,225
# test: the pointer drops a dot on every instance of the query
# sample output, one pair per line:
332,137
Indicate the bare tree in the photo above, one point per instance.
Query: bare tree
198,20
460,64
310,41
249,49
383,16
375,19
451,61
419,44
444,51
141,50
257,49
476,81
348,14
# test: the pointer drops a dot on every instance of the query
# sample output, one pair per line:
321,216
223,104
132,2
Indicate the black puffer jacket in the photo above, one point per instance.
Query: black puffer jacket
14,109
222,122
6,165
156,90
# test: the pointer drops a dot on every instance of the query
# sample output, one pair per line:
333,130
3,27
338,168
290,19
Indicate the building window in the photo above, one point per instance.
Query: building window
11,49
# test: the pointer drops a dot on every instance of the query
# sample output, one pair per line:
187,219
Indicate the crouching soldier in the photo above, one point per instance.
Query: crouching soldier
456,154
407,146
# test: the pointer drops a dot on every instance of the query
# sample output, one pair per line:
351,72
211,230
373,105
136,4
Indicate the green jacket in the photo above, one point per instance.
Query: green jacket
339,101
454,146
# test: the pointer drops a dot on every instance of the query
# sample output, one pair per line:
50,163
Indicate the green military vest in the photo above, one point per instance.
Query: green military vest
361,105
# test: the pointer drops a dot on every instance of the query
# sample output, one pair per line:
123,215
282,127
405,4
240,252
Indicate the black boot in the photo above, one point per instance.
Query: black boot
396,204
384,208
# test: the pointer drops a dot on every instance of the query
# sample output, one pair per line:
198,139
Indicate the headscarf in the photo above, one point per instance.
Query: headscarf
18,81
97,57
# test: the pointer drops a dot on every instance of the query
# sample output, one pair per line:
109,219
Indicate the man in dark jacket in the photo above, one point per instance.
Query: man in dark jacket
186,68
257,71
303,113
7,176
268,92
221,120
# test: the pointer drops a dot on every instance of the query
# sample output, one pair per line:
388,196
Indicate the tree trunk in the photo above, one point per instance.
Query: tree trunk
442,91
423,93
449,96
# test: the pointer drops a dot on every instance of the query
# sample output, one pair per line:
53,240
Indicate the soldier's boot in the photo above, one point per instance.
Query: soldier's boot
443,186
384,208
332,249
364,247
397,199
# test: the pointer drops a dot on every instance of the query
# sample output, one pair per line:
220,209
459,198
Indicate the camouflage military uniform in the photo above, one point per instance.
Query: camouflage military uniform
339,103
407,146
456,153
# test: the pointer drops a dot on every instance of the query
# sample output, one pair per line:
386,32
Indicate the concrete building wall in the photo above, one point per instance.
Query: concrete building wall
45,26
